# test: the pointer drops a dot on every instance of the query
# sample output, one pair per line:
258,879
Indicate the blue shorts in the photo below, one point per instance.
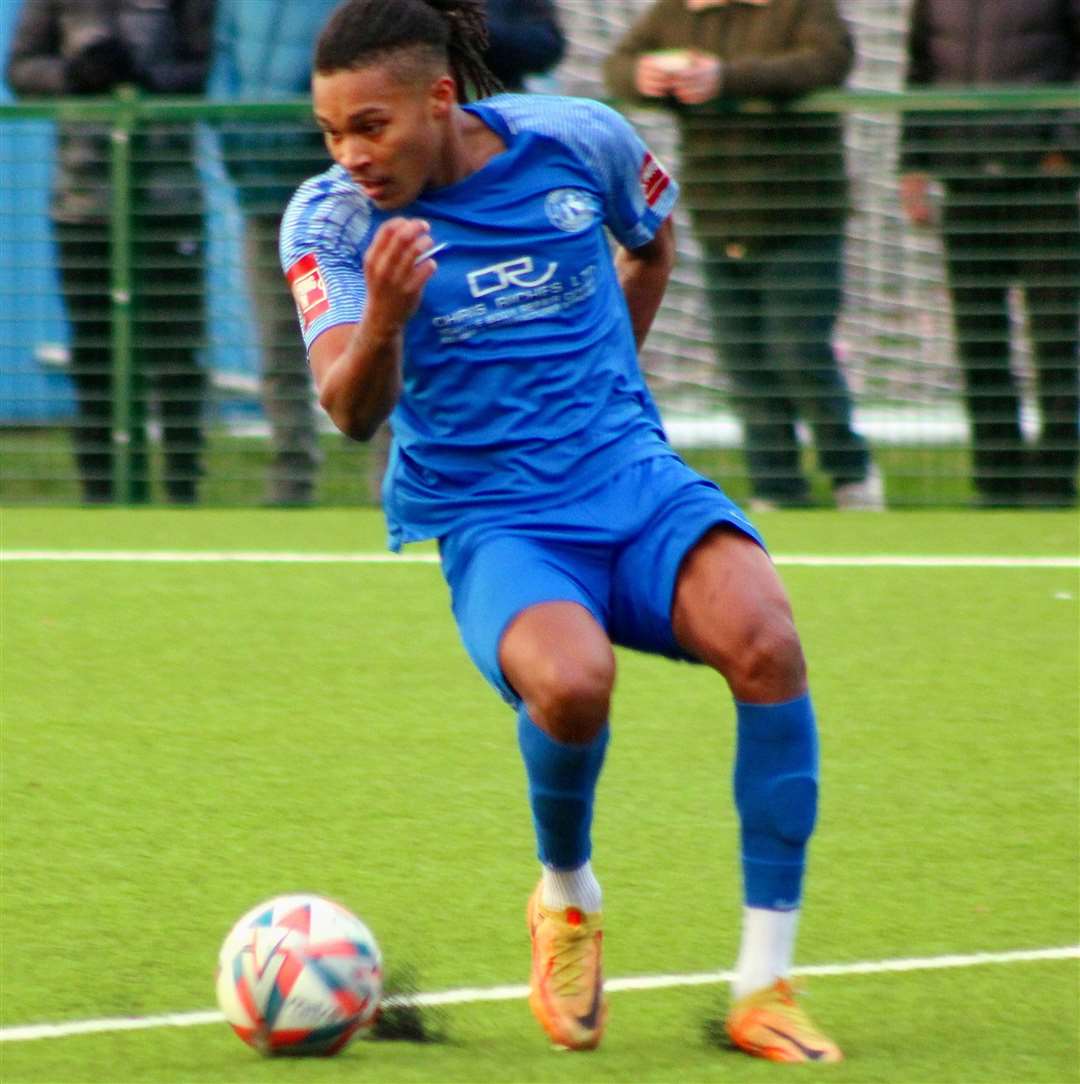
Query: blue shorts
616,551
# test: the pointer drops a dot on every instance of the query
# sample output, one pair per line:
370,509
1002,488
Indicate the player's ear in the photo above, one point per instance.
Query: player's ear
443,96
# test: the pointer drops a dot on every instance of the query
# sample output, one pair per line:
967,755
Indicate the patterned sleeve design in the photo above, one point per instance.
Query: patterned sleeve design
324,233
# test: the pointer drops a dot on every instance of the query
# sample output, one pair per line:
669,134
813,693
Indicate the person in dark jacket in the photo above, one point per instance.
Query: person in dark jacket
1009,216
524,38
73,47
767,195
262,52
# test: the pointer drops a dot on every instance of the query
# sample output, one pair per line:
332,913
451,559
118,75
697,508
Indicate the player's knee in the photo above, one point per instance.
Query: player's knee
571,695
770,664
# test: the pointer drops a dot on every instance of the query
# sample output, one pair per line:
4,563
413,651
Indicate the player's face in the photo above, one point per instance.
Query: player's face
387,133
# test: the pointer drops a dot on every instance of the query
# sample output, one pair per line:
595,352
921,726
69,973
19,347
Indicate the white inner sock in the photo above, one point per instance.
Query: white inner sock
767,949
562,888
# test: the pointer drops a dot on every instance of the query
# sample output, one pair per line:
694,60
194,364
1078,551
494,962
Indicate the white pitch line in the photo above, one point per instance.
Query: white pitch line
295,558
251,557
919,561
470,995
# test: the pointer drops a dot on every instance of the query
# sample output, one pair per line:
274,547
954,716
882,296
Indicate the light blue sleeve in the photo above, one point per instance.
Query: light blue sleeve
638,192
324,233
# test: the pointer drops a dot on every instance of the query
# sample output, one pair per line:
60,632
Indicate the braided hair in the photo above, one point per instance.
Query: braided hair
360,32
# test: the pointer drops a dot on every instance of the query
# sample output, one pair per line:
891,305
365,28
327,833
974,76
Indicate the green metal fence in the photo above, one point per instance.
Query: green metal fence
896,335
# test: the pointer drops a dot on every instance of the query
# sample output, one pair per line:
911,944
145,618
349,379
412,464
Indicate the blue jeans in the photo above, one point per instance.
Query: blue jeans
774,312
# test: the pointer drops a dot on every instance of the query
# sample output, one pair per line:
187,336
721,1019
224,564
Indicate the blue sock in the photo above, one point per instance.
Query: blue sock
776,773
562,782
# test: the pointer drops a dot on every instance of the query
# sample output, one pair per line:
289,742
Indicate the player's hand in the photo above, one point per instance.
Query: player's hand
652,78
914,198
396,274
700,80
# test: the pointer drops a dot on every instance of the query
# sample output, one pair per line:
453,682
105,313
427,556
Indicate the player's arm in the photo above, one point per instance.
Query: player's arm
643,273
638,197
357,367
357,373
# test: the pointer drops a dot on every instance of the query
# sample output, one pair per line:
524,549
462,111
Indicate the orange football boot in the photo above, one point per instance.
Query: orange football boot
566,985
770,1024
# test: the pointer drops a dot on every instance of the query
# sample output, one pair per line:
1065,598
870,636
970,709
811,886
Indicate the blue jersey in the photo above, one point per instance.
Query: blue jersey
521,387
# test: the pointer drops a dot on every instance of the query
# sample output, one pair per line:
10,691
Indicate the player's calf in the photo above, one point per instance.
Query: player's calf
776,784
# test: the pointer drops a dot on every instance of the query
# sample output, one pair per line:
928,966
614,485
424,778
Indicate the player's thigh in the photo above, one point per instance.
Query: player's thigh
731,611
496,579
685,507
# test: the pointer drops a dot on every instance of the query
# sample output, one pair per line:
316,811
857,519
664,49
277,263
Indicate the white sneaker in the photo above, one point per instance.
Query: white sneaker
866,495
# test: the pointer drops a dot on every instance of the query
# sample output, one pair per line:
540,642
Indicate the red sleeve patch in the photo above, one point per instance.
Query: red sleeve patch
654,179
308,289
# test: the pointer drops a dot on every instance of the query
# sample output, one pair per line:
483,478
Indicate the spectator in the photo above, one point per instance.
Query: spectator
1009,216
767,197
262,51
63,47
524,38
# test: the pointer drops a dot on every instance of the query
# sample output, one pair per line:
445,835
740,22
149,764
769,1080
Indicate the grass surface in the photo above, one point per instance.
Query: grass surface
39,469
181,741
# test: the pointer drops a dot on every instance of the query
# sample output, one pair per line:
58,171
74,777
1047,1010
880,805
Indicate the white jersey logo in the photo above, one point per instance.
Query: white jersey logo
520,273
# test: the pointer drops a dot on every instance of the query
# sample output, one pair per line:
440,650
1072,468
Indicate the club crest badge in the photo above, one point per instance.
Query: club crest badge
571,209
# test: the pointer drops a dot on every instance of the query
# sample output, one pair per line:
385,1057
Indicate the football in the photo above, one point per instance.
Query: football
299,974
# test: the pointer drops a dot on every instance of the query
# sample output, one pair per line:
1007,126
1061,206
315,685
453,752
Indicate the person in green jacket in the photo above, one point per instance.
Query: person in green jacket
767,194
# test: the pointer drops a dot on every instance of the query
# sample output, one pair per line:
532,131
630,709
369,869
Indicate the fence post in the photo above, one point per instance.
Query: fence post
120,237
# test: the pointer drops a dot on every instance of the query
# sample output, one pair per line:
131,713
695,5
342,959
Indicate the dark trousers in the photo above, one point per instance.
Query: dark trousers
168,329
997,233
774,313
288,395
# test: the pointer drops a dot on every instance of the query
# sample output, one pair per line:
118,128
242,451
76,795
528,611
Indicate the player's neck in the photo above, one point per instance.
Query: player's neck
470,145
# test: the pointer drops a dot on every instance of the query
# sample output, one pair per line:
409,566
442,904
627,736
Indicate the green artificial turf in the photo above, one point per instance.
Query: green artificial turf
39,470
183,740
